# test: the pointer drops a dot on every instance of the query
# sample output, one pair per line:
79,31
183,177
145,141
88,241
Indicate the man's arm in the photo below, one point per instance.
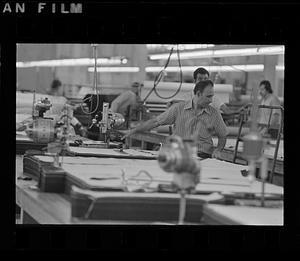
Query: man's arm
221,132
115,105
167,117
221,143
144,126
276,112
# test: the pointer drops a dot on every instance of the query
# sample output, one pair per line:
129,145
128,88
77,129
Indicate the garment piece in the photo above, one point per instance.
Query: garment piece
264,114
199,125
123,101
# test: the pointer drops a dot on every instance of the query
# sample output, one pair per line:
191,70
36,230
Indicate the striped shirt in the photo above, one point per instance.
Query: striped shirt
199,125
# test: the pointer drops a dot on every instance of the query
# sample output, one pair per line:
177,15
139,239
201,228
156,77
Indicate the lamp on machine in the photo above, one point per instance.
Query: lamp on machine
179,157
109,121
253,148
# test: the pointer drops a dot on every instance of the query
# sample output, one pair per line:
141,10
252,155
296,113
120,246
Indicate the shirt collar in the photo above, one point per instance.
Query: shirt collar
189,105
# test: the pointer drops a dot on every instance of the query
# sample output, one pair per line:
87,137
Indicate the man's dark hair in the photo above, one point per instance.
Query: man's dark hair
200,86
55,84
267,85
200,70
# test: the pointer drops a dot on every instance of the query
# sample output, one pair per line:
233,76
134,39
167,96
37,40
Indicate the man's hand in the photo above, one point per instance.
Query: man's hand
128,134
83,132
216,154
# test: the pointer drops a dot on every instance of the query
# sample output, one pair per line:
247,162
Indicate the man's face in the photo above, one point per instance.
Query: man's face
136,90
201,77
262,91
205,98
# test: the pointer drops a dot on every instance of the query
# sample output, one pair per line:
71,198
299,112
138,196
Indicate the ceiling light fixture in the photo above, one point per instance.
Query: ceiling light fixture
222,68
71,62
114,69
272,50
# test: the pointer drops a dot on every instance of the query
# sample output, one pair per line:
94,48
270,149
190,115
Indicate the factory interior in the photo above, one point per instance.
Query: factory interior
155,134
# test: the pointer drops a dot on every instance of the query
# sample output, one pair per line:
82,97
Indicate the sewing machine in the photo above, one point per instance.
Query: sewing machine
48,131
110,120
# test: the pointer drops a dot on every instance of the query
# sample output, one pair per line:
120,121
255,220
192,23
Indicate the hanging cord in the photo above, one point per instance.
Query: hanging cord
159,76
95,85
179,88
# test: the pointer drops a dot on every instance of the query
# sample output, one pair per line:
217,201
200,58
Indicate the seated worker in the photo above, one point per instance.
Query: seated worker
264,114
127,102
195,119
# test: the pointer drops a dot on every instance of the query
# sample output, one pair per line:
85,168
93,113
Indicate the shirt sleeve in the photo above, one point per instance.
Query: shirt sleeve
220,127
169,116
117,102
275,102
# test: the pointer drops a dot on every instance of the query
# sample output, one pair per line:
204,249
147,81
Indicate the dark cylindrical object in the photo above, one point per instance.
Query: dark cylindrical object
253,146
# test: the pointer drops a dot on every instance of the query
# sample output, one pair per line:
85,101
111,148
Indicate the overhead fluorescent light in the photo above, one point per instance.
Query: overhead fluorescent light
180,46
183,55
233,52
71,62
114,69
271,50
279,67
222,68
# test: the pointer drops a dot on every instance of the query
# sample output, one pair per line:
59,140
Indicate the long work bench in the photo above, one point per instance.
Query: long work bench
217,177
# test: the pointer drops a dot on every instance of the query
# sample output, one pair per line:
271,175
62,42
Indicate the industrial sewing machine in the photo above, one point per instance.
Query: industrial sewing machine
47,130
106,126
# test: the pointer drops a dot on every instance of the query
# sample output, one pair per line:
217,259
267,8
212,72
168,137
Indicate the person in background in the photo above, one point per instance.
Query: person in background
127,102
56,88
201,74
264,114
194,118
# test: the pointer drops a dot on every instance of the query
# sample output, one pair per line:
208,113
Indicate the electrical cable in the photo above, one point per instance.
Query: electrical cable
160,75
95,86
179,88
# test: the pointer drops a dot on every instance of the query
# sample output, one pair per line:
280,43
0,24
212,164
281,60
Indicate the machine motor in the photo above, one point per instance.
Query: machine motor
179,156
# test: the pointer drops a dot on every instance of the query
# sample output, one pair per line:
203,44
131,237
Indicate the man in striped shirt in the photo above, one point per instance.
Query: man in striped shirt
194,119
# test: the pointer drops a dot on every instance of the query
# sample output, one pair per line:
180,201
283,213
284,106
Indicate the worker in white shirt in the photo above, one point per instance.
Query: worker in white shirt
127,101
267,116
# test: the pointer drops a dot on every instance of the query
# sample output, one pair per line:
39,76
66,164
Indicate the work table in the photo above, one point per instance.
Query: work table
55,208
